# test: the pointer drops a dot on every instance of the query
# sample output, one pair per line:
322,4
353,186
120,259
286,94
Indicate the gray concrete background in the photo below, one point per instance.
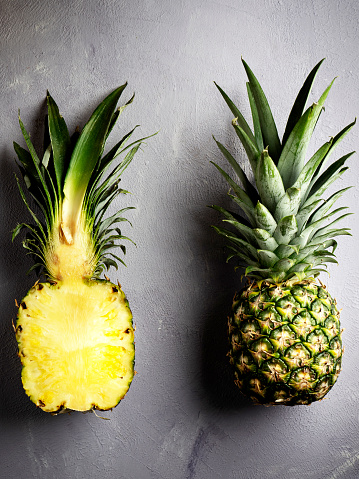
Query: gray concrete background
182,418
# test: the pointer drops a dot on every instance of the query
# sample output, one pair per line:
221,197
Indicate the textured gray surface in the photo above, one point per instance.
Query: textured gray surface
182,418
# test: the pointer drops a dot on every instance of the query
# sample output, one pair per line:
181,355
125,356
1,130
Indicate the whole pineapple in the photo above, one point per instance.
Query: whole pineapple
74,331
284,330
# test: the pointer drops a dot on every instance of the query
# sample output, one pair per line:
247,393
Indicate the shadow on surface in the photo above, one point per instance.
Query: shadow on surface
14,283
217,373
221,283
14,264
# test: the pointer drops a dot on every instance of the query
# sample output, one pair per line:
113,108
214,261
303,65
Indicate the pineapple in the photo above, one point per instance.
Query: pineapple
75,331
284,329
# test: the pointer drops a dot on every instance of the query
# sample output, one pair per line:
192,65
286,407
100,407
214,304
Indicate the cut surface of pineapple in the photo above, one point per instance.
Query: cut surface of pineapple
76,343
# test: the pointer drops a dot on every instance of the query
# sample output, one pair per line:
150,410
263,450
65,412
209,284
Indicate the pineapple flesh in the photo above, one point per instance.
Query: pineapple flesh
284,329
74,330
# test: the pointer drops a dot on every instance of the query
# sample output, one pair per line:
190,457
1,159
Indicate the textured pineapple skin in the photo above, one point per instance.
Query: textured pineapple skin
76,345
285,342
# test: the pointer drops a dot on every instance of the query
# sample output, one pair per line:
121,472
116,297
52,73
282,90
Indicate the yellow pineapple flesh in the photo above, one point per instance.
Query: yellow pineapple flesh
76,345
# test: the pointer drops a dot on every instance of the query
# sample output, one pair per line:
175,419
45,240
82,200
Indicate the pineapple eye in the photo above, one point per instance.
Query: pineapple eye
335,345
325,362
317,340
303,378
298,352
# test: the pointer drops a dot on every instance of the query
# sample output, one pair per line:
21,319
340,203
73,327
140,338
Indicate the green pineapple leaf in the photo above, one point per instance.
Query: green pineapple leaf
60,142
246,232
251,148
84,159
238,115
283,265
325,229
300,102
269,182
334,143
288,204
286,229
285,251
334,171
256,122
267,258
306,175
264,219
322,211
247,185
246,247
268,126
292,158
264,240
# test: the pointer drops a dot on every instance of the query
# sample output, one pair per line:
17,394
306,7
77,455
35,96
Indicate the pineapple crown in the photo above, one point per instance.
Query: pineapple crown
285,232
70,186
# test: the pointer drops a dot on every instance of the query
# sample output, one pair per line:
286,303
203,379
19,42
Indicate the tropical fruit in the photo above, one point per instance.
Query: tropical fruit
284,329
74,330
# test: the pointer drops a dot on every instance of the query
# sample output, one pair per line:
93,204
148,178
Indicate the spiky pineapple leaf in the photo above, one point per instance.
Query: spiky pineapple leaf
60,141
264,219
235,252
248,210
251,148
334,143
256,122
264,240
283,265
329,175
322,231
241,194
244,230
268,126
292,158
247,185
85,156
300,102
237,114
306,175
231,215
288,204
117,114
247,247
46,201
305,212
286,229
285,251
269,182
251,269
35,218
267,258
322,211
107,159
28,170
314,226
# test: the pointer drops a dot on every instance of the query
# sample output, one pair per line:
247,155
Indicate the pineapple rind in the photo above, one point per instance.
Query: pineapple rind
285,342
83,358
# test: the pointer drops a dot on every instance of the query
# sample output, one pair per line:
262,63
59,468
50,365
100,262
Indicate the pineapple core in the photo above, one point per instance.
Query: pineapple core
76,345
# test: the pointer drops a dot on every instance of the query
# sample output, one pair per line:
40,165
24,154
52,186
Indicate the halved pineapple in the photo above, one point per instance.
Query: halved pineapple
74,332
